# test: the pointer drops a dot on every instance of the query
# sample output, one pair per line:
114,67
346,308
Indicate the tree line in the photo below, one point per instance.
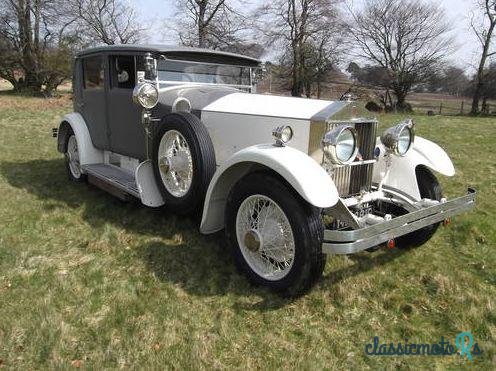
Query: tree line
38,38
398,46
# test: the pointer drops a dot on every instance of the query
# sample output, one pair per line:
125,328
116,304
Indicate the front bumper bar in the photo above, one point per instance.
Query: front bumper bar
349,242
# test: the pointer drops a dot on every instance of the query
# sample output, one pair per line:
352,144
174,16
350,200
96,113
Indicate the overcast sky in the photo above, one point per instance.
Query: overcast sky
458,12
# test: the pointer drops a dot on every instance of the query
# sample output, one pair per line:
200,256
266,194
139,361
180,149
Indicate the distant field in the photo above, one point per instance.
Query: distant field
88,281
65,87
439,104
443,104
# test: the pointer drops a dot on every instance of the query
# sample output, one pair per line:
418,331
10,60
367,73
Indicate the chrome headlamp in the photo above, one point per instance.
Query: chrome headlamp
399,139
282,135
340,145
146,95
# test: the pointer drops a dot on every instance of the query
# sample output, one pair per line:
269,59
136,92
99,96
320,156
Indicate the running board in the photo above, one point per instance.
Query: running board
112,179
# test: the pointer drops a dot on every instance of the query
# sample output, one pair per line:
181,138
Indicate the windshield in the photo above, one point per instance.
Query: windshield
170,71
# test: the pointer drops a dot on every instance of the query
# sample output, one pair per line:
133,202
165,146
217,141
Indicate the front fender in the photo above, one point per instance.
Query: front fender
305,175
402,171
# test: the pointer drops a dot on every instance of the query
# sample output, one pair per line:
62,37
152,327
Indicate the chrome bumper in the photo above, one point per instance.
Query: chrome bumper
349,242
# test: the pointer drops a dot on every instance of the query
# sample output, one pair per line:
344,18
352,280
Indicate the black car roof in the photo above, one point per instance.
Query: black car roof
176,52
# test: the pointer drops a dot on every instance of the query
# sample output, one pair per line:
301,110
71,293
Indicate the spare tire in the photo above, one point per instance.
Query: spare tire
183,161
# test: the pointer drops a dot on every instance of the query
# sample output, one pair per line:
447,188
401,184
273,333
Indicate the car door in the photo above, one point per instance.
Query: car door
127,135
93,106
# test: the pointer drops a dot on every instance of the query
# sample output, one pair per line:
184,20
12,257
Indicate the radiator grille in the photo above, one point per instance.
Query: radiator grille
352,179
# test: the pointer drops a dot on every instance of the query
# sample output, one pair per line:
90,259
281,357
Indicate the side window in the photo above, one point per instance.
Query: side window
122,72
93,72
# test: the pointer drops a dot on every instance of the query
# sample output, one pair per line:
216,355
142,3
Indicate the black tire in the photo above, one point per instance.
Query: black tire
72,177
203,158
306,225
429,188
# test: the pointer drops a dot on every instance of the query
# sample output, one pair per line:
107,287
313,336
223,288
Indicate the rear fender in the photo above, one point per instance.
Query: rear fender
88,154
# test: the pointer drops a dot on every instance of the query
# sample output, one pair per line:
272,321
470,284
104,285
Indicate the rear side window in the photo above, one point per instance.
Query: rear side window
93,72
122,72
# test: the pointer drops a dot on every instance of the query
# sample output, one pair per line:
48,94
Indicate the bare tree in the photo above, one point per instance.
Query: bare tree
204,23
407,37
38,37
489,88
215,24
374,77
321,52
484,33
34,46
303,30
451,80
105,21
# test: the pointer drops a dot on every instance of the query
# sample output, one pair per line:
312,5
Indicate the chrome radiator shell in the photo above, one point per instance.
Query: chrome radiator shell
356,177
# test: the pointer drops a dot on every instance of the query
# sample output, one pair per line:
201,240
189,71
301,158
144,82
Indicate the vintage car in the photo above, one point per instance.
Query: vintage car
288,179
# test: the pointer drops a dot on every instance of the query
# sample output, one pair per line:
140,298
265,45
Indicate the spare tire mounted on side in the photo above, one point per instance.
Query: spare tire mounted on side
183,161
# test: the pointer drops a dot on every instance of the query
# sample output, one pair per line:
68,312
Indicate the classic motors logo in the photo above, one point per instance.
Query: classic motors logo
464,342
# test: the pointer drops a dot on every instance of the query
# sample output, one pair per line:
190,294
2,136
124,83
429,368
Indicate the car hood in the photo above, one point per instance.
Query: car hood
229,100
276,106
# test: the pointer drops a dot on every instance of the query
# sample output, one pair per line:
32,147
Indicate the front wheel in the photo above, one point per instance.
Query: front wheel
430,188
275,236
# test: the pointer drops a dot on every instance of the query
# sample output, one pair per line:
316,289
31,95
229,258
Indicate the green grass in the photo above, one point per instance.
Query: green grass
88,281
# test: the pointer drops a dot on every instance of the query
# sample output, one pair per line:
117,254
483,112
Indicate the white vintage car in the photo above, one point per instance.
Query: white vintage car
288,179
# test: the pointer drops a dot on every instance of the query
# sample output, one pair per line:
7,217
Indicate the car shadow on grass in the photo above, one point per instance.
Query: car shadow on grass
199,264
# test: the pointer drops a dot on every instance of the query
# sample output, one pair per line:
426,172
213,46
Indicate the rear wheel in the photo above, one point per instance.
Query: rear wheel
430,188
275,236
72,162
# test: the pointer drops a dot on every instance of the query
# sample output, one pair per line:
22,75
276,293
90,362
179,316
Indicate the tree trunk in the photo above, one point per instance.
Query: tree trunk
479,84
29,61
401,104
400,100
301,73
308,88
202,30
295,72
484,109
389,100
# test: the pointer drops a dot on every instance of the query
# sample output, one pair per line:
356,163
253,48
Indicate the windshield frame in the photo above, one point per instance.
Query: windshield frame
237,86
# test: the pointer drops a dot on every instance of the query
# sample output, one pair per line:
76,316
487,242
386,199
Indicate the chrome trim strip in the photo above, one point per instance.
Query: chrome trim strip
356,163
172,83
361,239
330,110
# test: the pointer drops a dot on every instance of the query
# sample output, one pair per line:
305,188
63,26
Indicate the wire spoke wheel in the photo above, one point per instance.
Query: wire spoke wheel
175,163
265,237
275,236
183,161
73,157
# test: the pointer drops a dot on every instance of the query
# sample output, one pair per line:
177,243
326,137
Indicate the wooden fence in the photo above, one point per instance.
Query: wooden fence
449,108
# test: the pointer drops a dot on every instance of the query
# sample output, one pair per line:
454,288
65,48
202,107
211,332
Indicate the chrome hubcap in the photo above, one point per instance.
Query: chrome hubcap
175,163
73,157
265,237
253,240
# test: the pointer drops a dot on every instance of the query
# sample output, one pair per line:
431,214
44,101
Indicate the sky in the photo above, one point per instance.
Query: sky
156,12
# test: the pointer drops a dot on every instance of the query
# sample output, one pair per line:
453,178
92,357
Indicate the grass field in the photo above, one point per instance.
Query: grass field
87,281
